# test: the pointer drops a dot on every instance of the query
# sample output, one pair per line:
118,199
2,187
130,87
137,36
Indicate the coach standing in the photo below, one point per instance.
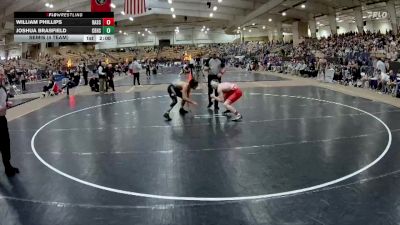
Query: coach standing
102,77
4,135
135,69
215,72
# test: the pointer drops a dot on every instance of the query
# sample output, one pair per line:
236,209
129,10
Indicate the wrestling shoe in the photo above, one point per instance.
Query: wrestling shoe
226,113
166,116
237,117
11,171
182,111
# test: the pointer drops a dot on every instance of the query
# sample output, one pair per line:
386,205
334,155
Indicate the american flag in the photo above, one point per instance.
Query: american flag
135,7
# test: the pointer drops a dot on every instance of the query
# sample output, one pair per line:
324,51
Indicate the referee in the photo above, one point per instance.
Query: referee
215,72
4,135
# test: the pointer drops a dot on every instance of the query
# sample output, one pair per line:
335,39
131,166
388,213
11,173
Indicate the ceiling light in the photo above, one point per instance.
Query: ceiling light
238,31
47,4
215,8
112,5
149,32
131,18
68,10
170,1
238,28
263,27
318,22
205,32
340,21
173,16
253,24
202,29
125,33
211,14
145,29
208,29
269,20
51,6
172,9
122,13
142,35
120,31
283,13
250,30
244,28
303,6
138,32
219,1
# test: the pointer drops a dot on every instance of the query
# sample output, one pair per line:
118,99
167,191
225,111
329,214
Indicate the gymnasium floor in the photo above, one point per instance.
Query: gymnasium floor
301,155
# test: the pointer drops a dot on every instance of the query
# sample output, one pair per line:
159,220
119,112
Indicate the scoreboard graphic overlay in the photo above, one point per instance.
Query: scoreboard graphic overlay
64,26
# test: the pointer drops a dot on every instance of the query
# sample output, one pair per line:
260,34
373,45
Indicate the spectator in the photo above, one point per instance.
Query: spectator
148,70
110,76
23,81
48,87
85,73
380,65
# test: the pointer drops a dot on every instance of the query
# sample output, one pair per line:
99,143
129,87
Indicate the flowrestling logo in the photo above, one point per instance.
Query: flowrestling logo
101,2
377,15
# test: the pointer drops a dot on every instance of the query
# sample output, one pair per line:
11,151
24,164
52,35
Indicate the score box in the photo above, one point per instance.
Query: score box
104,38
89,38
108,22
108,30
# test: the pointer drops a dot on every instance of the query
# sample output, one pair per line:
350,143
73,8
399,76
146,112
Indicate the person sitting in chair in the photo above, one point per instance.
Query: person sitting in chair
48,87
94,84
185,69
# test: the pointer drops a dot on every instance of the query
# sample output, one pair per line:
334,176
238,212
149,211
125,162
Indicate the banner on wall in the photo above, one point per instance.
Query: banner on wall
14,53
184,37
146,39
126,40
101,5
377,15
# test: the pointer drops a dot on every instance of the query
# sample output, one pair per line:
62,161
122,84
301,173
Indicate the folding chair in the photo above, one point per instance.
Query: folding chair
16,90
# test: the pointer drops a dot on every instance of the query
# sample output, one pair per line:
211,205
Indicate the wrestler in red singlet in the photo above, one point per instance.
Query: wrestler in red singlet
231,93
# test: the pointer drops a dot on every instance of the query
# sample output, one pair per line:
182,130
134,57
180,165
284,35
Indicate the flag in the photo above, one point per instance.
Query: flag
100,5
135,7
